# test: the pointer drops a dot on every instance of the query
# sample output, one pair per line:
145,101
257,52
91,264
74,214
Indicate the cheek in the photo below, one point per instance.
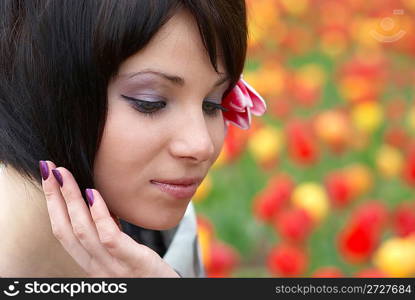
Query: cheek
218,131
127,147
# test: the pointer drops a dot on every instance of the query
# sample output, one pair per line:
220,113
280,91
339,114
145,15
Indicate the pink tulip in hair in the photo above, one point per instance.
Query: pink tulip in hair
241,102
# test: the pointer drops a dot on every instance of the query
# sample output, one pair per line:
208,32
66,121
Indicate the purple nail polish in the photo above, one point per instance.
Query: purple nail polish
89,196
44,169
58,176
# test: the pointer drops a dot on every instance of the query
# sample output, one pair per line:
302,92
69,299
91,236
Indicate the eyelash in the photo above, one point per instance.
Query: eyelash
139,104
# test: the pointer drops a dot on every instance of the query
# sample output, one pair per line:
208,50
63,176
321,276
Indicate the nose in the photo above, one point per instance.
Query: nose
191,138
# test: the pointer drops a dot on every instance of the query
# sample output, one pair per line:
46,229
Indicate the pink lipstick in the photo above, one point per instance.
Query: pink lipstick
179,191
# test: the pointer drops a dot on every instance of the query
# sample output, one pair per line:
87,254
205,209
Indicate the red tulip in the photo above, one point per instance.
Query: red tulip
370,273
396,136
360,237
363,80
305,95
301,143
328,272
281,107
270,200
266,205
372,214
372,69
396,109
404,219
203,221
357,243
223,260
286,260
297,40
409,168
235,142
339,189
294,224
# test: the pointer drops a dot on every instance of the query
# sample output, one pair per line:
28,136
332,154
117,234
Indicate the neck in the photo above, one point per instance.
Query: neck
28,247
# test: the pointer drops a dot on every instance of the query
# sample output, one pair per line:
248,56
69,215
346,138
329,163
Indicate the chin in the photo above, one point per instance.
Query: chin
162,226
165,222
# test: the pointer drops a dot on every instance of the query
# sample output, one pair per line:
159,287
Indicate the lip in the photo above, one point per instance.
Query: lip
181,181
178,191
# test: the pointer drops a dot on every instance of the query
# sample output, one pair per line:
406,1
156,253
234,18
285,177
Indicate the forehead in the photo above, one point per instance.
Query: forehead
176,48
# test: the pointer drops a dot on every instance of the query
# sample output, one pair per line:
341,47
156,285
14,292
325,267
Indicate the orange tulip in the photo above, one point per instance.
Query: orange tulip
360,178
333,128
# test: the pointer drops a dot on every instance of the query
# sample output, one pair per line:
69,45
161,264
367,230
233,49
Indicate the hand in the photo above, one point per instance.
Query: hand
92,236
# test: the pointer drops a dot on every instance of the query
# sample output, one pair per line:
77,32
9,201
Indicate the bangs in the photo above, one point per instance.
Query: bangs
222,26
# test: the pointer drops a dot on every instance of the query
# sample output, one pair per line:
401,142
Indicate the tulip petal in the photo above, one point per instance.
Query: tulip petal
244,92
236,99
260,105
241,120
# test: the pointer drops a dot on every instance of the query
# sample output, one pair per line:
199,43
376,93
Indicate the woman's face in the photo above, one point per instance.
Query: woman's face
182,139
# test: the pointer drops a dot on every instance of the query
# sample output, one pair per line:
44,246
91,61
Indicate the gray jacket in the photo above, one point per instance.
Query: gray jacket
183,252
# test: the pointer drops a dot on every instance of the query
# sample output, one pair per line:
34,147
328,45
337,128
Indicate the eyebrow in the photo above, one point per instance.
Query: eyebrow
173,78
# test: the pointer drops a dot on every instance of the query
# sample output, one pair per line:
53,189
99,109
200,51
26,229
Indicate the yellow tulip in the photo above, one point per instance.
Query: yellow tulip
411,119
367,116
203,189
364,32
333,43
396,257
221,160
205,241
269,79
389,161
296,8
265,144
313,198
263,20
311,75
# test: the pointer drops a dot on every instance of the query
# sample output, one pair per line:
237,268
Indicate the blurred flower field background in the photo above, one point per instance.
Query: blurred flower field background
322,185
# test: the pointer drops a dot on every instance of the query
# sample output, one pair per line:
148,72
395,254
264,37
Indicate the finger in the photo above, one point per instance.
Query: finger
119,244
59,218
82,224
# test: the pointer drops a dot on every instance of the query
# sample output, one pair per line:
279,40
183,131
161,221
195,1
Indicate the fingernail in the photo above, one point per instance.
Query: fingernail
89,196
58,176
44,169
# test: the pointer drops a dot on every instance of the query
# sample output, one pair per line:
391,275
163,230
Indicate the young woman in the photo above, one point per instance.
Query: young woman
123,105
